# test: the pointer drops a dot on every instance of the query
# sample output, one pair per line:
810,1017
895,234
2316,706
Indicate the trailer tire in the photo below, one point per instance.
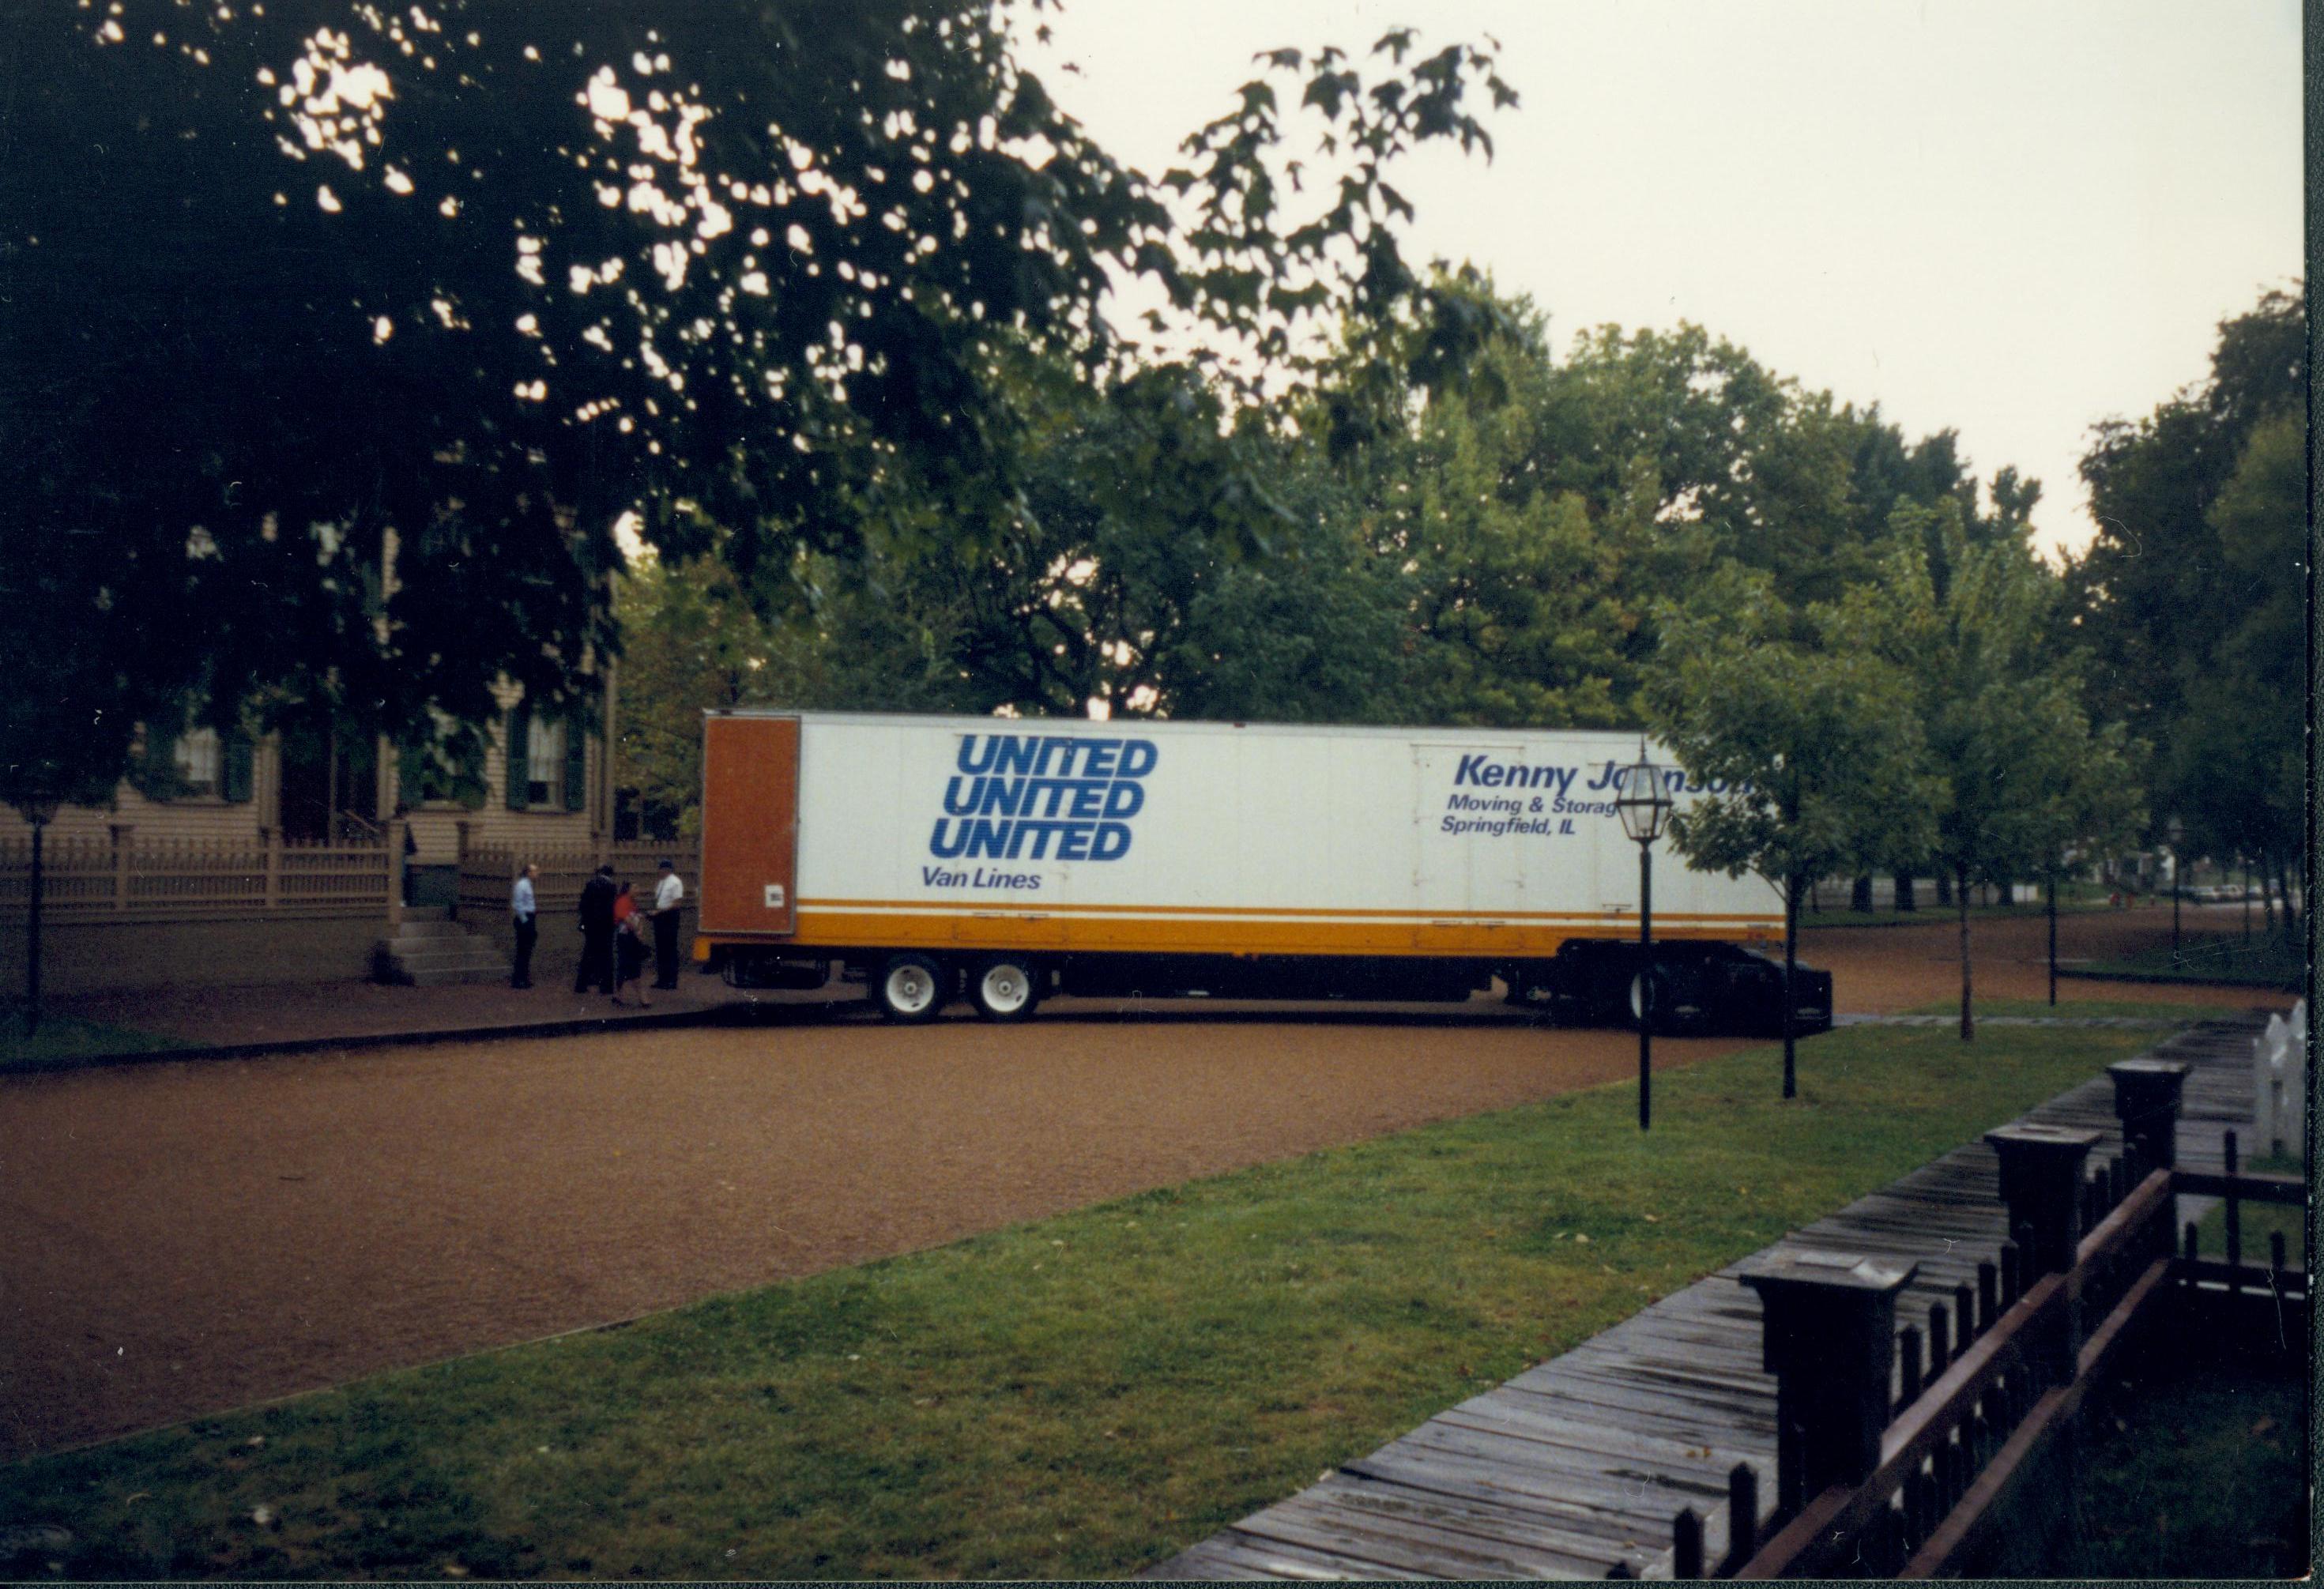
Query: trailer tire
1004,987
910,988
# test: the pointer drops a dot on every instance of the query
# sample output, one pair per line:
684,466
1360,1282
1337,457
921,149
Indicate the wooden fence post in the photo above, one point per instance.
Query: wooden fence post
2235,1216
1742,1518
2146,1093
1686,1544
1828,1336
2042,1182
395,830
273,838
123,851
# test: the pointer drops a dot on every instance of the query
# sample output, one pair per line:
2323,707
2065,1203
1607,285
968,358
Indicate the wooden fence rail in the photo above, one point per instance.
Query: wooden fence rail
488,872
87,880
1894,1448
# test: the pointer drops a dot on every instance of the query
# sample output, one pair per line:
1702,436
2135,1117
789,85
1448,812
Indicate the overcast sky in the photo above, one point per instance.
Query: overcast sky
2011,219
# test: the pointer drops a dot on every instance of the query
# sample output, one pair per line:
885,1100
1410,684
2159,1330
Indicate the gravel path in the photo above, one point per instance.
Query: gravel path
177,1238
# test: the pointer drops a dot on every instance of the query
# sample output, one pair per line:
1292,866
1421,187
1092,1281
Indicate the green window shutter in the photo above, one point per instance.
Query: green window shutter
519,767
576,765
235,768
156,774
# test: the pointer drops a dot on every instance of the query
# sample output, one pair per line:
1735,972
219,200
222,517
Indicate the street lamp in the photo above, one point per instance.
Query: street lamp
41,813
2177,832
1643,803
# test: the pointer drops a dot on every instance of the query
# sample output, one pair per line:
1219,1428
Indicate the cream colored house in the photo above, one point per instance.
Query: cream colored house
286,858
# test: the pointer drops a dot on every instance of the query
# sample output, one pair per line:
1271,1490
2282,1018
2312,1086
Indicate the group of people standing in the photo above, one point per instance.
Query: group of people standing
613,927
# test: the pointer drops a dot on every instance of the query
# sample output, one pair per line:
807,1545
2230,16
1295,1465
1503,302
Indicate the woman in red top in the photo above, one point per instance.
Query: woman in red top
628,947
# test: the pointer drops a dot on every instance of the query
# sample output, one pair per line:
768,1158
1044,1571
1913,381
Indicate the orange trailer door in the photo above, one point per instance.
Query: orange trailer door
749,826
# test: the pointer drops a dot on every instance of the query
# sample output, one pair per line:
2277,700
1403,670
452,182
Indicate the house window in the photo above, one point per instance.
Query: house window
196,756
429,772
544,762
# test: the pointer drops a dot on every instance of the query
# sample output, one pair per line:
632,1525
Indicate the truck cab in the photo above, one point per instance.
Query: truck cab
1696,987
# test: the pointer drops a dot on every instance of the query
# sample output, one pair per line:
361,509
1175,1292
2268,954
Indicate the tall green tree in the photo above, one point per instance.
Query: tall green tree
694,643
2008,735
2185,596
2238,762
1809,743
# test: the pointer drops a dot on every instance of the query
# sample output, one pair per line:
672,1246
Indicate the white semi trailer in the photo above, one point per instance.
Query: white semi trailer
1005,860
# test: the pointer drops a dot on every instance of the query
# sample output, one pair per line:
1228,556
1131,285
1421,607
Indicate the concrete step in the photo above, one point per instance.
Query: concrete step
458,976
461,961
430,951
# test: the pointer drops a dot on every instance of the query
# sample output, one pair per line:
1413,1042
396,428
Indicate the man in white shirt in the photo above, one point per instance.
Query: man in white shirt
667,895
528,929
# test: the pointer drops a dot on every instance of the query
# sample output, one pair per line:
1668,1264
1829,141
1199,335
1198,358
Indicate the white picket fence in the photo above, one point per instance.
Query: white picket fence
2279,1083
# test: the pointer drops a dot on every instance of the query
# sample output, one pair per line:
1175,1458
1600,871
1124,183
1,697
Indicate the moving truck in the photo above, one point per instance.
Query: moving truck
1005,859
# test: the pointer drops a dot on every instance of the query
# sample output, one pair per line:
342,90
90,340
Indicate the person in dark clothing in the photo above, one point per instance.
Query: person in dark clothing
528,929
597,896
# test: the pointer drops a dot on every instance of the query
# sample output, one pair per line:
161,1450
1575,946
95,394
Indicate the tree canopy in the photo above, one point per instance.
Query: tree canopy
2192,596
1807,741
2021,770
349,333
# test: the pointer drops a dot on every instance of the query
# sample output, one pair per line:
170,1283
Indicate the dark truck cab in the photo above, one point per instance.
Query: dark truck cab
1698,988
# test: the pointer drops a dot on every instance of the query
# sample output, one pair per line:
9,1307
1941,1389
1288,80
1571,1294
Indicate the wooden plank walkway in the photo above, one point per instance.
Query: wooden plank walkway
1578,1465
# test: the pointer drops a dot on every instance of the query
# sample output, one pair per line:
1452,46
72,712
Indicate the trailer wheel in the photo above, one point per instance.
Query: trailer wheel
909,988
1003,988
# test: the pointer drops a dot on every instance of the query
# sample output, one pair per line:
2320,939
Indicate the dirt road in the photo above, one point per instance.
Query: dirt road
183,1237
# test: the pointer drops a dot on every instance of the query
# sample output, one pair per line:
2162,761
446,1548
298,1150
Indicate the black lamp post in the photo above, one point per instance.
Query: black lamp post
2177,832
39,814
1643,803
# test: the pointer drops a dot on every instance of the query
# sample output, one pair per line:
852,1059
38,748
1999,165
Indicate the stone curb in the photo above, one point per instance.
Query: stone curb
716,1015
2165,1015
2155,979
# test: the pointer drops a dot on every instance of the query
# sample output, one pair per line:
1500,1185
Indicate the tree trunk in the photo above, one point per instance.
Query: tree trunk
1791,1005
1968,1022
1945,889
1904,900
1859,897
2053,938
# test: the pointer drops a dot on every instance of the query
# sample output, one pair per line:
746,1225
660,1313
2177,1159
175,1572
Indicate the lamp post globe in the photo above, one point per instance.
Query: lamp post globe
1642,801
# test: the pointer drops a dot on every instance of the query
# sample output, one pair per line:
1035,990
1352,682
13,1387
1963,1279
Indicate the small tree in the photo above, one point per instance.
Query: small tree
1813,742
2022,769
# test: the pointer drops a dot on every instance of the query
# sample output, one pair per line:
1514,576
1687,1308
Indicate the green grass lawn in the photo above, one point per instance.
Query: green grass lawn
64,1037
2193,1475
1078,1397
2260,961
